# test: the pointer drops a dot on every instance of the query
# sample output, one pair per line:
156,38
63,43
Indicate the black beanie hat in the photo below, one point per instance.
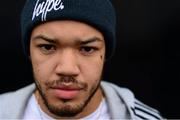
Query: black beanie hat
98,13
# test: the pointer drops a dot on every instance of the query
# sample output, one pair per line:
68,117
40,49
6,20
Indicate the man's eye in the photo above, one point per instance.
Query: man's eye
46,48
87,50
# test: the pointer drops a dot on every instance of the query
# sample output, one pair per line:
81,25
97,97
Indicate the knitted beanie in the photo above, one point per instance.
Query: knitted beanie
100,14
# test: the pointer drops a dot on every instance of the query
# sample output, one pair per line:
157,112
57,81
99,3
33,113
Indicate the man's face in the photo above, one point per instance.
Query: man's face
67,59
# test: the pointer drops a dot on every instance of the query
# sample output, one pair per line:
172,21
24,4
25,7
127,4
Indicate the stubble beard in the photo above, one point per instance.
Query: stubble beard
65,108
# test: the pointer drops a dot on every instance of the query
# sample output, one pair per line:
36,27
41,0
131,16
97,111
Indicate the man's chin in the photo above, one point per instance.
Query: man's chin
66,109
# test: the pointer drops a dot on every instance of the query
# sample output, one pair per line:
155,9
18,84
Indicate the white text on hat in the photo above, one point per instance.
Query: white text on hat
44,7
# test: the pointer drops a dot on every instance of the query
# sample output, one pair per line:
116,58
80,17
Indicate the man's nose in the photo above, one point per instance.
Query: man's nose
67,64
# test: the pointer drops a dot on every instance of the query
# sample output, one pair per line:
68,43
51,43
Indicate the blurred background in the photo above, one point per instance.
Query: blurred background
146,59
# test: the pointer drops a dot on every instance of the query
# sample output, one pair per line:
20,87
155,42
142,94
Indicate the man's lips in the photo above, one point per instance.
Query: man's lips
66,92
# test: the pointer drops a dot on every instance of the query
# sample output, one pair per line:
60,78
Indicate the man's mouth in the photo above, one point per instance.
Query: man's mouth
66,92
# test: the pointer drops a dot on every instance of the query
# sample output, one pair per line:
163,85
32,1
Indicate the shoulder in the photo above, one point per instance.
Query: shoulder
13,102
143,111
16,94
136,108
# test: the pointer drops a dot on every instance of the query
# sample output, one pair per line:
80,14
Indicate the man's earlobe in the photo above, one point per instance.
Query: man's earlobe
29,57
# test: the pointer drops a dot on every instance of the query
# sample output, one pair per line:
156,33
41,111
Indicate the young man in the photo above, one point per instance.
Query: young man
68,42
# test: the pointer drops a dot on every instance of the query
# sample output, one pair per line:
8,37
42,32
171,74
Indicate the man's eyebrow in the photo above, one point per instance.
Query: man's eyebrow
90,40
79,41
43,37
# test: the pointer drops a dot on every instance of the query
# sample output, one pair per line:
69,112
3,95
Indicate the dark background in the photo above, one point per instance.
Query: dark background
146,59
